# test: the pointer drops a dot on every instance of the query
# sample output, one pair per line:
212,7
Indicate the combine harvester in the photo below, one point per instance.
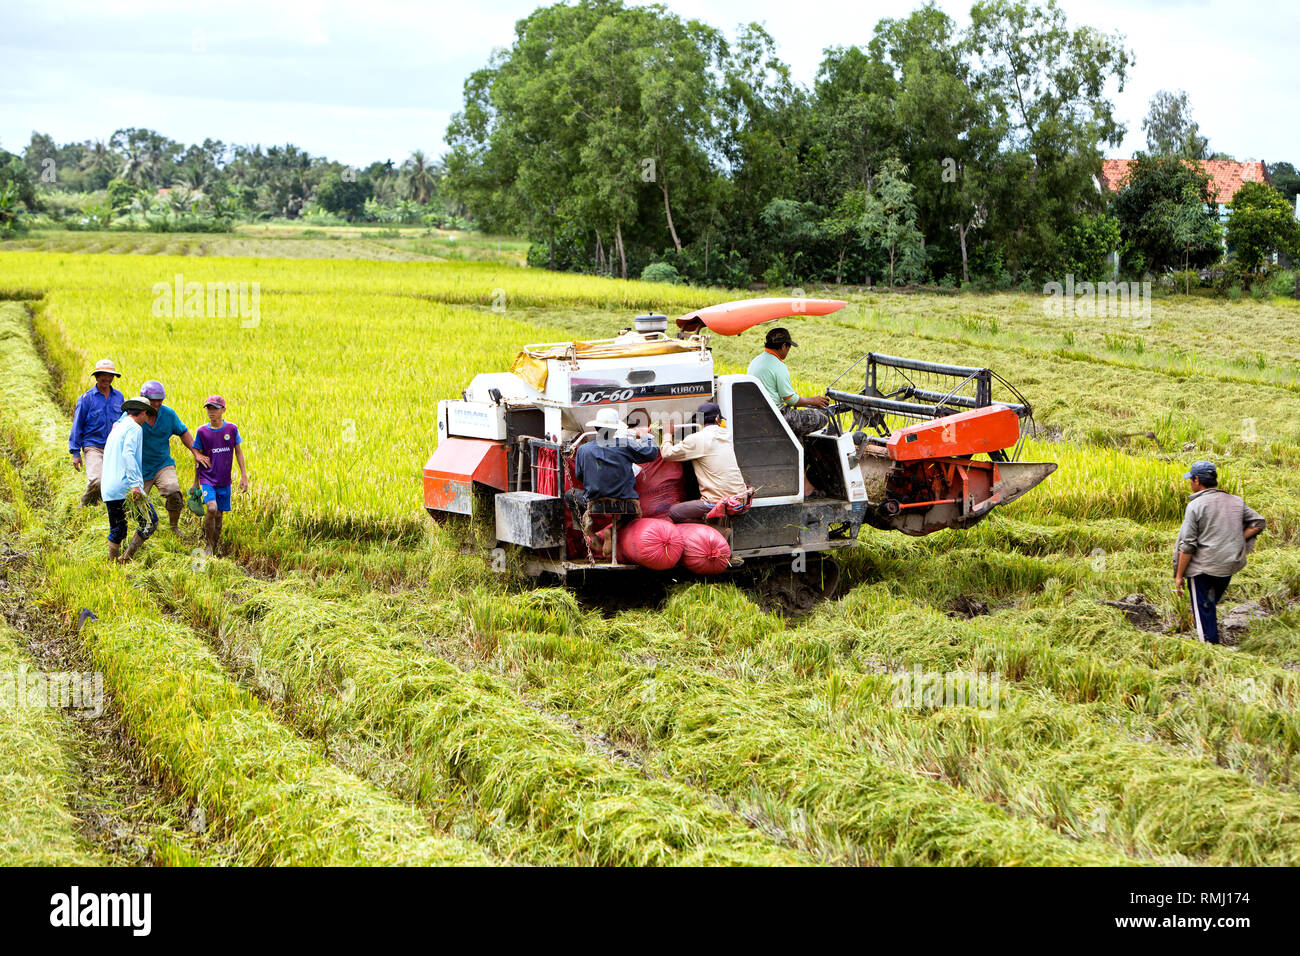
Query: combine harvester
897,455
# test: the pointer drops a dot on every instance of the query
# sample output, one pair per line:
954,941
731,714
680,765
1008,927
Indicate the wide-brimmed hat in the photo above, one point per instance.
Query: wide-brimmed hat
137,404
606,418
105,366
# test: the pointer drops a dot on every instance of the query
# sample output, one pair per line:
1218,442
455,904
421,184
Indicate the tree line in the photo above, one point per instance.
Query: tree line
214,183
620,139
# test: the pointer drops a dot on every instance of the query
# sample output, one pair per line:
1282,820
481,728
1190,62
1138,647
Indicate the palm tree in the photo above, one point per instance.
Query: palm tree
134,164
97,156
420,182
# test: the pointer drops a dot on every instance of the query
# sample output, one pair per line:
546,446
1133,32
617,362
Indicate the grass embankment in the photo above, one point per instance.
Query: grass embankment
276,796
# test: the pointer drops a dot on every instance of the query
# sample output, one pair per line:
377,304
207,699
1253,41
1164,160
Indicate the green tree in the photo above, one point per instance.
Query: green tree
344,197
889,221
1285,179
1170,129
1166,214
1090,242
120,195
421,178
1261,222
1050,83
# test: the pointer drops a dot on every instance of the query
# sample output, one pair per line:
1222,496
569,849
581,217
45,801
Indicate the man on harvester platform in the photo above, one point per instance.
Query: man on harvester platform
604,466
716,472
803,414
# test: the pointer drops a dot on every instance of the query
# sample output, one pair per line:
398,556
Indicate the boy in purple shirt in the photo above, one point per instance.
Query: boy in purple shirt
220,441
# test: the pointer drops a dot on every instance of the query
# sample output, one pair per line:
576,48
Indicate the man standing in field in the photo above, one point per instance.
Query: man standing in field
122,480
716,471
97,410
158,466
219,442
1218,533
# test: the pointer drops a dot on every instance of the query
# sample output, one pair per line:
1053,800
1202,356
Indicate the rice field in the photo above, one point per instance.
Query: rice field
352,684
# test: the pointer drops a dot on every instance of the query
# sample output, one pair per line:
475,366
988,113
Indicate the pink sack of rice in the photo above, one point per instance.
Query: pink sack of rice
650,542
704,549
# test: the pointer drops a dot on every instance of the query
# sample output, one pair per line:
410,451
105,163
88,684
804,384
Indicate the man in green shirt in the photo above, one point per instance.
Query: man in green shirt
803,414
157,465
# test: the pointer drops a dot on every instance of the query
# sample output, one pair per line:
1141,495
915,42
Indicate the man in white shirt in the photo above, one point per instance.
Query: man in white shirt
122,483
716,471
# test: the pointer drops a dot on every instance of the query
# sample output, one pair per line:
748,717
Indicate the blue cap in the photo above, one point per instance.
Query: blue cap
709,413
1203,469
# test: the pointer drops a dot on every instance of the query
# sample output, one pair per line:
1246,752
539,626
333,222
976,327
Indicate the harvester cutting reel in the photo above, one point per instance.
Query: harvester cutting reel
917,427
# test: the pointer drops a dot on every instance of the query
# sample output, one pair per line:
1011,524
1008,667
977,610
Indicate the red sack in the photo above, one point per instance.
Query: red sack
704,549
650,542
660,485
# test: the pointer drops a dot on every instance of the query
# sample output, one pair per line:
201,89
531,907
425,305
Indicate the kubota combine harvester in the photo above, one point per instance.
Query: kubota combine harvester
897,454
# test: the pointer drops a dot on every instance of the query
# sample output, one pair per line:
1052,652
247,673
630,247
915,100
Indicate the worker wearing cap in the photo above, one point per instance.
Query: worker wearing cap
123,483
604,467
158,466
97,410
219,442
802,413
1218,533
711,453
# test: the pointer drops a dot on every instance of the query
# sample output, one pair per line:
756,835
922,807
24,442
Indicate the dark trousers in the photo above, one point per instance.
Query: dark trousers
686,512
1207,591
146,518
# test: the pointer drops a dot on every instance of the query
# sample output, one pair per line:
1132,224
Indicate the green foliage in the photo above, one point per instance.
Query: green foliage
1170,129
660,272
1166,214
121,194
1088,245
1261,222
345,197
889,222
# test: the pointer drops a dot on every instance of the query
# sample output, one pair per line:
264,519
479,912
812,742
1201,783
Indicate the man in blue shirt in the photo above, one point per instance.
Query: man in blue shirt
98,409
157,465
604,466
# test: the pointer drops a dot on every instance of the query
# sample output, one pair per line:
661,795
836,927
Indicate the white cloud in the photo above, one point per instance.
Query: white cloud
377,79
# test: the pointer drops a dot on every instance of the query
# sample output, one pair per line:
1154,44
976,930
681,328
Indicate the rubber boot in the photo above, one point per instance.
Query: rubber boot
216,538
132,547
114,549
210,534
91,496
175,504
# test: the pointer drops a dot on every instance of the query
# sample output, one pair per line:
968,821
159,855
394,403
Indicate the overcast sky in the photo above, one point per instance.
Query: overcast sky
359,81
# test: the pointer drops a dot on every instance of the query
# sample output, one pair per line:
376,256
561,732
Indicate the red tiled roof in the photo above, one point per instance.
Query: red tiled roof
1226,175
